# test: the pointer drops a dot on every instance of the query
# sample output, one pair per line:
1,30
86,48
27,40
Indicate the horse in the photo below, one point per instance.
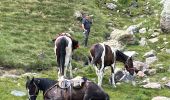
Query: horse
52,90
64,46
103,55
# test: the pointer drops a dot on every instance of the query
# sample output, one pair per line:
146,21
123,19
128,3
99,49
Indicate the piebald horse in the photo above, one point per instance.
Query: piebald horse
103,55
64,46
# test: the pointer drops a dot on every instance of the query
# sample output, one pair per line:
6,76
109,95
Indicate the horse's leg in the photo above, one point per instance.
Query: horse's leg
113,74
101,69
70,67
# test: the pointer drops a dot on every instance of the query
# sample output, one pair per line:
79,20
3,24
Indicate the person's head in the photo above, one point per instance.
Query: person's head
87,16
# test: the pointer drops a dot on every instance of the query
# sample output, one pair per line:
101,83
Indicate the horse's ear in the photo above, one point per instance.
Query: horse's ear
53,40
28,78
32,80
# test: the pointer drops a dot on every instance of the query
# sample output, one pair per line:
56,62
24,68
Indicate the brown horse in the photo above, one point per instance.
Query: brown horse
103,56
52,91
64,46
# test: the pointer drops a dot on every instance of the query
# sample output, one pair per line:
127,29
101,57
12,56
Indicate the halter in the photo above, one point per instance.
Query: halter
36,90
128,67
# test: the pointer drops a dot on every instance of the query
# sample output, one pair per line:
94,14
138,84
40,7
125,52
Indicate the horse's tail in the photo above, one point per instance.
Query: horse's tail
98,53
62,53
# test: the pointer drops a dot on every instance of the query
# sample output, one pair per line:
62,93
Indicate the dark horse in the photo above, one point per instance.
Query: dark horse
52,91
103,56
64,46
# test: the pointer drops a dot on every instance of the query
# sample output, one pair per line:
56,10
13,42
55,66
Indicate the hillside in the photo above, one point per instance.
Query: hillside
28,27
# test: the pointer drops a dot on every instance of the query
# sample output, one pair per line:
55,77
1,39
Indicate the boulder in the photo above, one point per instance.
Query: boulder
165,16
160,98
143,42
111,6
142,30
140,66
167,85
78,15
153,40
130,53
151,53
118,38
18,93
150,72
151,60
152,85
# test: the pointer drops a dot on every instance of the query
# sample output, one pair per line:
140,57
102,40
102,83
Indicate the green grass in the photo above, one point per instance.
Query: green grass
28,26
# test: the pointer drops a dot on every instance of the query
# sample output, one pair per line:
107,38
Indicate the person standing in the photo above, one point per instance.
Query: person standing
86,25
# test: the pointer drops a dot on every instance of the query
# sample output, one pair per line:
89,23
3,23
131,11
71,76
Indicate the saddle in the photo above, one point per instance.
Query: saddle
76,82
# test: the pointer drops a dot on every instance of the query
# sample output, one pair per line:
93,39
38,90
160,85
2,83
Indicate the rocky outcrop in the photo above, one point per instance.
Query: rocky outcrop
119,37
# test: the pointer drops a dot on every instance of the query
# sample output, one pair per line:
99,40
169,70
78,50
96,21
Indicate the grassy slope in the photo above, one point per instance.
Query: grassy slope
27,27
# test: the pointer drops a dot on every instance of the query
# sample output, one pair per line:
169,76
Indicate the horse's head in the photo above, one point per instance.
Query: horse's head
129,66
32,88
75,44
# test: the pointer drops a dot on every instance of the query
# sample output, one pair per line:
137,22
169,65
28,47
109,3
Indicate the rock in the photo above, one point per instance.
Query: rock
140,66
30,74
132,29
130,53
18,93
111,6
151,60
160,98
142,30
152,85
142,42
167,51
164,79
165,17
153,40
123,76
140,74
10,76
150,72
167,85
78,15
146,81
118,37
155,34
151,53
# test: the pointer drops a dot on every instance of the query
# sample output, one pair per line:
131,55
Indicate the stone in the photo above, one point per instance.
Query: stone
143,42
153,40
160,98
167,85
167,51
78,15
165,16
151,53
118,37
152,85
164,79
142,30
150,72
130,53
151,60
18,93
155,34
132,29
140,74
140,66
111,6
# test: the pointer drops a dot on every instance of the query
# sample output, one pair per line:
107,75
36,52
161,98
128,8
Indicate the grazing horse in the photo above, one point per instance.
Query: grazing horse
64,46
103,55
52,91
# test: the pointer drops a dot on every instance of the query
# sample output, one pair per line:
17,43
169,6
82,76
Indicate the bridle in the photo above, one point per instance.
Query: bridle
35,93
128,67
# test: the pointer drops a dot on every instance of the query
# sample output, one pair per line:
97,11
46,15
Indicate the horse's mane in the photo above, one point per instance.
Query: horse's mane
47,83
120,56
63,34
